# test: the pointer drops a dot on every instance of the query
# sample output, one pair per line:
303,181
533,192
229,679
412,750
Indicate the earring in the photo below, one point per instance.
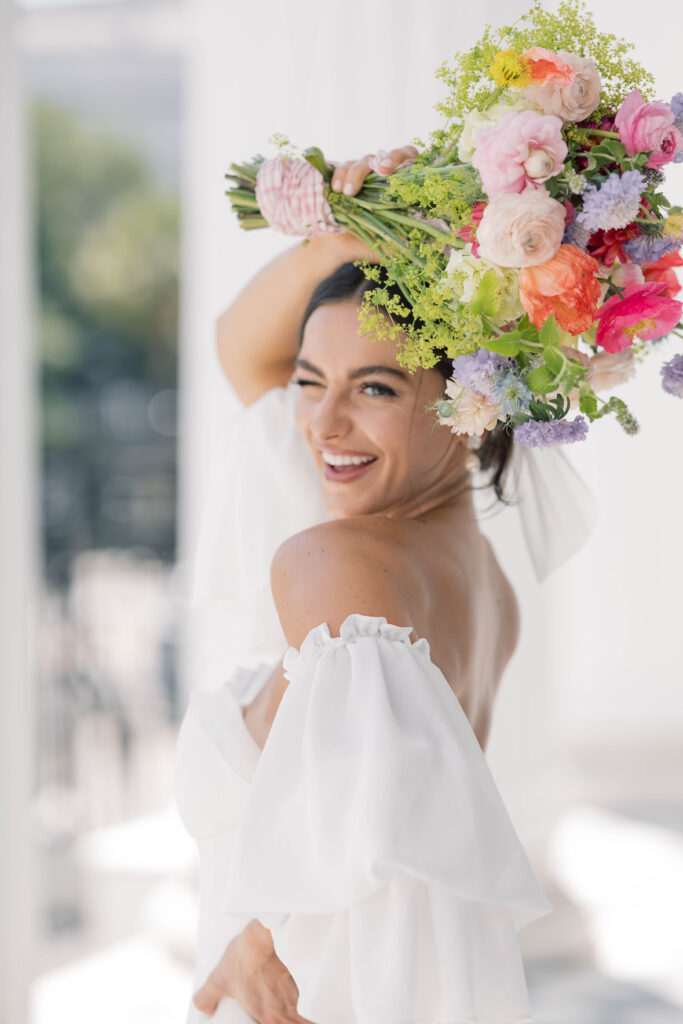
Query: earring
472,462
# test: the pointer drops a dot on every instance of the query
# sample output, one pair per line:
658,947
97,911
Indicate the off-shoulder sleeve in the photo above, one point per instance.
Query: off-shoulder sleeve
375,844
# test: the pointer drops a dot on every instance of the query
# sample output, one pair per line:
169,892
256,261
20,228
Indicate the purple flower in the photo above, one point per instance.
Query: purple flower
615,204
650,248
577,234
677,110
672,375
475,369
539,433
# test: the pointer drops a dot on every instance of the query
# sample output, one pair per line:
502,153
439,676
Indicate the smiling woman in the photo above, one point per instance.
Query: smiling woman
373,846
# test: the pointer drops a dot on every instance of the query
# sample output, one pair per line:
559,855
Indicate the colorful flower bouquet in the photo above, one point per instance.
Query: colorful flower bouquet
530,238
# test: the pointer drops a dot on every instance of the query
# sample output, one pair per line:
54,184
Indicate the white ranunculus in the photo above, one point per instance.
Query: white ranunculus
477,120
465,272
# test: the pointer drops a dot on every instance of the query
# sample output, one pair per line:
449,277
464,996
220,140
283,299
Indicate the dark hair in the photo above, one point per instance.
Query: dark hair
349,282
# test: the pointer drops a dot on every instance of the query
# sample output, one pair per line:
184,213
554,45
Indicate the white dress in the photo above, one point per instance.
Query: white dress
369,835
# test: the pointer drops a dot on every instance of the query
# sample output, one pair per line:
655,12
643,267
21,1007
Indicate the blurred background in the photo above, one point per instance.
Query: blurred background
118,251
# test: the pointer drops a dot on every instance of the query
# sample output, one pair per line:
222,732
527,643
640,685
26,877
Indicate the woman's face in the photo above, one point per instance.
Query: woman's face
355,399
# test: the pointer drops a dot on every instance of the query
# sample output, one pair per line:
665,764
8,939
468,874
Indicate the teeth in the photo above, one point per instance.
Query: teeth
346,460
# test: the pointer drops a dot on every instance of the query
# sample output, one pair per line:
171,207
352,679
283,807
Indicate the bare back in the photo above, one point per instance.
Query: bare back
457,597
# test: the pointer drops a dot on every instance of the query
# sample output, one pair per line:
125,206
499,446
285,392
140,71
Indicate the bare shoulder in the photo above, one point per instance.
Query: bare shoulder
328,571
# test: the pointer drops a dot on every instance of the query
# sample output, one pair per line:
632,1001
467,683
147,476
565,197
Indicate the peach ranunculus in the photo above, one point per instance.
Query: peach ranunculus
524,148
521,230
474,412
643,312
565,286
548,66
572,101
610,369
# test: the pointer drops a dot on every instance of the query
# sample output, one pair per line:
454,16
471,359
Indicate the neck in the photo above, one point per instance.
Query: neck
455,500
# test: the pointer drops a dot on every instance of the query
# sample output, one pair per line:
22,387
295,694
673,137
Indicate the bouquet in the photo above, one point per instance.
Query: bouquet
530,239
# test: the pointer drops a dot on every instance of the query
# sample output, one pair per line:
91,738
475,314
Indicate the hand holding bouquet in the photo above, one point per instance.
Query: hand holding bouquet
529,238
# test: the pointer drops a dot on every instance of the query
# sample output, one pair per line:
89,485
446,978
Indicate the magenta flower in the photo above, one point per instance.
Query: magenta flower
524,148
644,312
643,126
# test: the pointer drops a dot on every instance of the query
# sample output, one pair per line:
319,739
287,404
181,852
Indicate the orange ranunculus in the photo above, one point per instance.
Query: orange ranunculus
662,270
565,285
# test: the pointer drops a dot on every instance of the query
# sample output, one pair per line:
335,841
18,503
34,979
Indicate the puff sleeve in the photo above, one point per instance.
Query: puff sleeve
375,845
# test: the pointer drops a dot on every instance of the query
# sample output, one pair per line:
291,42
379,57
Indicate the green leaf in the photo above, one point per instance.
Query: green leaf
316,159
539,410
549,334
553,359
540,380
486,299
504,346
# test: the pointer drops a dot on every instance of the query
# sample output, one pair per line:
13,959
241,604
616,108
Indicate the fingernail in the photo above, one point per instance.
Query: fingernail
385,163
336,185
348,188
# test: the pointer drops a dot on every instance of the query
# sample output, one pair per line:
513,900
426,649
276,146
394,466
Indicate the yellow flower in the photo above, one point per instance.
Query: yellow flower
673,224
510,69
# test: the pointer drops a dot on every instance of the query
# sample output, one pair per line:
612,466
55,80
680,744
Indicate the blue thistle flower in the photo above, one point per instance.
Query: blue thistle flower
539,433
511,393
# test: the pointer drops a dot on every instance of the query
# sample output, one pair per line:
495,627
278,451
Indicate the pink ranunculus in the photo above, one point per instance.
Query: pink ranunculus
644,312
523,148
643,126
521,230
572,101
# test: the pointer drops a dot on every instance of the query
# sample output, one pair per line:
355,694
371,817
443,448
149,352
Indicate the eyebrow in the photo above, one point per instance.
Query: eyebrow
361,371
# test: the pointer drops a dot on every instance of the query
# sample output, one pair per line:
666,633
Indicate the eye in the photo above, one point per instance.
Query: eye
383,389
303,383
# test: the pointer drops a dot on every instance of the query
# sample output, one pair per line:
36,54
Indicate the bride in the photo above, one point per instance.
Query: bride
373,876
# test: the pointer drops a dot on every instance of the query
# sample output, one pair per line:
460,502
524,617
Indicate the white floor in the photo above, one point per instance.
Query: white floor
623,871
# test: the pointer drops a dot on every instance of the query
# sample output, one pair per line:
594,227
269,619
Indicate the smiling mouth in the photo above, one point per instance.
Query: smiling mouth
346,473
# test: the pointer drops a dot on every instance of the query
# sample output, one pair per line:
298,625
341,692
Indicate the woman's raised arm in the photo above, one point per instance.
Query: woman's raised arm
257,335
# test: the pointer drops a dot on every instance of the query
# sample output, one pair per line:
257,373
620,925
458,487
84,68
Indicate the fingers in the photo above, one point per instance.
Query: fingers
348,177
206,998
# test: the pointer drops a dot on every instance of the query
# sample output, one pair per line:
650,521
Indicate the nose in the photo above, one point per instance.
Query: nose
331,417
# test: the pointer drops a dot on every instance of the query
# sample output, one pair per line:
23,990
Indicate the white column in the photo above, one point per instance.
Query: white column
18,535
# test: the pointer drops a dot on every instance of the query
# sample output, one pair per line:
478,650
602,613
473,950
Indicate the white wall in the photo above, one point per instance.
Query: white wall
18,537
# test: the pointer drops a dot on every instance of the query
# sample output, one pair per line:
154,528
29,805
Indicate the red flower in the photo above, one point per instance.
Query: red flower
644,312
469,231
607,245
661,270
565,286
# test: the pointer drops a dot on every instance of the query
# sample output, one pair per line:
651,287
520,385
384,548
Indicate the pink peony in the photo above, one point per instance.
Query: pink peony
643,312
572,101
521,230
643,126
523,148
